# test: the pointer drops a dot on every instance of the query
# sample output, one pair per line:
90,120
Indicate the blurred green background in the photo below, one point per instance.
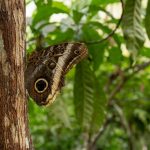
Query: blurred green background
105,104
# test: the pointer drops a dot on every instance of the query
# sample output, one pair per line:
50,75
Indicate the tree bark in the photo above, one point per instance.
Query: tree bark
14,131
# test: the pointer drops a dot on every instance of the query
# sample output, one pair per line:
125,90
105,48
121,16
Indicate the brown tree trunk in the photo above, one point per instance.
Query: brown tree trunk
14,132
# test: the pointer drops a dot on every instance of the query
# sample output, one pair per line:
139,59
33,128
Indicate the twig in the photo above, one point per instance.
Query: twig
120,85
125,125
100,132
111,33
107,12
124,77
101,40
140,67
117,89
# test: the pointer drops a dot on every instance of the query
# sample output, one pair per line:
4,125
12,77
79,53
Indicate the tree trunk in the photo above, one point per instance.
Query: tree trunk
14,132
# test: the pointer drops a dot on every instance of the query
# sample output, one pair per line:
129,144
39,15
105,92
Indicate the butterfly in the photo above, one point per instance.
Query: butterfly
46,70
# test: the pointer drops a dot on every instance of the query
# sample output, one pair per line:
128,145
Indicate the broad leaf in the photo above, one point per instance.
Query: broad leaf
84,94
132,28
115,55
99,106
58,36
96,50
147,19
44,12
89,33
145,52
59,112
39,3
102,2
60,6
77,16
105,31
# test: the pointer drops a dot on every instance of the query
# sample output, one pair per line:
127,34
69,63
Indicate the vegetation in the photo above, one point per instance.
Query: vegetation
105,104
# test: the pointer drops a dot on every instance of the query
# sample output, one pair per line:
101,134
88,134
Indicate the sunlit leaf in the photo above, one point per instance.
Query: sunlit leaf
102,2
28,2
44,12
77,16
145,52
58,36
105,31
89,33
60,6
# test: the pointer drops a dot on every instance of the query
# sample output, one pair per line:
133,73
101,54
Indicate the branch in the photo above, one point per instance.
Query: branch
100,132
120,85
111,33
125,125
117,89
140,67
135,69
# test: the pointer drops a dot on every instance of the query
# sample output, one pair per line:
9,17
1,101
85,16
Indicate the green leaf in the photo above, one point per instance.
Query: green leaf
132,27
89,98
98,25
115,55
104,29
102,2
39,3
84,94
145,52
44,12
97,52
77,16
80,5
147,19
59,111
59,36
94,9
61,6
89,33
99,106
28,2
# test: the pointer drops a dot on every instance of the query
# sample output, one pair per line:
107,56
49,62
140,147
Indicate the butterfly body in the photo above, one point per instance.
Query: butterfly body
46,70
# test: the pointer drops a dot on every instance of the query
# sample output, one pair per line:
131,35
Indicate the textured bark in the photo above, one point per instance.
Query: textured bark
14,132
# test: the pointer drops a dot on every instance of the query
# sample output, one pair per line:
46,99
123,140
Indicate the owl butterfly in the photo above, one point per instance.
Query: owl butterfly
47,68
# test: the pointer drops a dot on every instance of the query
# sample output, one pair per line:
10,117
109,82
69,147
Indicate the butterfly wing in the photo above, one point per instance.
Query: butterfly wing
46,70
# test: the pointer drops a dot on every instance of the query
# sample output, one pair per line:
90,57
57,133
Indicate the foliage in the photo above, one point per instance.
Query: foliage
105,103
132,28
